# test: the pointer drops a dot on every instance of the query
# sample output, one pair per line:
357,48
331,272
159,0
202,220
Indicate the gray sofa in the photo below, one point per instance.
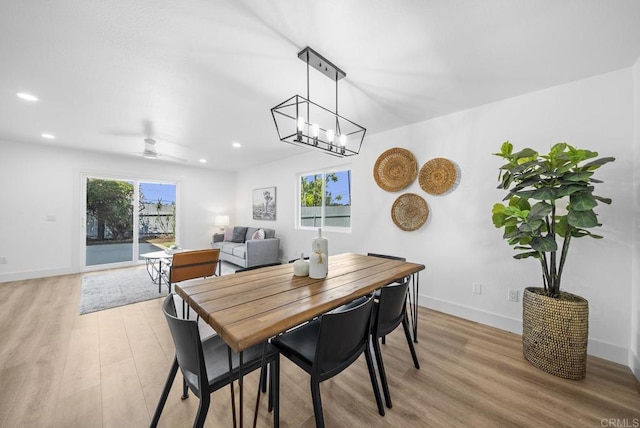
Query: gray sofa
251,252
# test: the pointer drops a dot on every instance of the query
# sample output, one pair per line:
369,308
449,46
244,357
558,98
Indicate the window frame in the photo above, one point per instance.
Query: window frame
323,172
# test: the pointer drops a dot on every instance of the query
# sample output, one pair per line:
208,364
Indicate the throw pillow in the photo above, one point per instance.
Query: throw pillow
258,234
239,234
228,234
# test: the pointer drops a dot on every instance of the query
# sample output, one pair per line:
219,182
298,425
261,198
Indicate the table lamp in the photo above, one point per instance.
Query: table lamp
221,221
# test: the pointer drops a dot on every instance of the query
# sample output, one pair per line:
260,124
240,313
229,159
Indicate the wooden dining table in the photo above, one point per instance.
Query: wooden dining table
250,307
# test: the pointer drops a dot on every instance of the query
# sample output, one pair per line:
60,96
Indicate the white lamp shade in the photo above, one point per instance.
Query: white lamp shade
221,220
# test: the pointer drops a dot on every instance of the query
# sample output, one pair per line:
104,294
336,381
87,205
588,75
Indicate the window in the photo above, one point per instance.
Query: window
325,200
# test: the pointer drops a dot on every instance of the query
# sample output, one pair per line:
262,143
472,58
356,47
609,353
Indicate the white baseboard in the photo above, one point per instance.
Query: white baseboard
595,347
634,364
33,274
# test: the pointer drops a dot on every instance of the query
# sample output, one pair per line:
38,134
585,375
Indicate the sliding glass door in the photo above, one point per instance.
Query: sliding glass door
157,216
125,218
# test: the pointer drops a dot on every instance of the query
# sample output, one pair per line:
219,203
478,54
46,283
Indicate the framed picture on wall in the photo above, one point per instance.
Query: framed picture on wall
264,203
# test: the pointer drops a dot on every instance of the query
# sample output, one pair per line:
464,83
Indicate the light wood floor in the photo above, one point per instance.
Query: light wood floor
106,369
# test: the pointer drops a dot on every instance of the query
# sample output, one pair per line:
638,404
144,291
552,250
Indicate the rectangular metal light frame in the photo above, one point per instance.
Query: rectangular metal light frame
291,109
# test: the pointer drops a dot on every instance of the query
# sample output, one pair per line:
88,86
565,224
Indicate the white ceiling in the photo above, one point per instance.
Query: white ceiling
205,73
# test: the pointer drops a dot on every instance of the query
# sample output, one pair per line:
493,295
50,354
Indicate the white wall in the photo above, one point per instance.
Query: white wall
634,349
458,244
37,181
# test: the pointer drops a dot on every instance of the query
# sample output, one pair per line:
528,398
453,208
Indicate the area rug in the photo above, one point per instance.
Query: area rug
122,287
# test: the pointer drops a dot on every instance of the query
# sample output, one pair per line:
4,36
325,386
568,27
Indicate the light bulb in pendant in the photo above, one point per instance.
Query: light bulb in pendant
343,143
330,135
315,132
300,128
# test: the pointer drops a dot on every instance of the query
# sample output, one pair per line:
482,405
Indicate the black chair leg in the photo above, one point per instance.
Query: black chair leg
407,334
317,403
374,382
165,392
203,408
275,391
185,390
263,379
383,374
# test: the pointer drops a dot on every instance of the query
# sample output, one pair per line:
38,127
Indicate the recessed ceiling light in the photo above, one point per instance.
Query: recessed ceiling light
27,97
48,136
236,145
203,161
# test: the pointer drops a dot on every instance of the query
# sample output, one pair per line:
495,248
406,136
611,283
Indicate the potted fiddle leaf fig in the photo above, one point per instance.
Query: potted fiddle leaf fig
550,202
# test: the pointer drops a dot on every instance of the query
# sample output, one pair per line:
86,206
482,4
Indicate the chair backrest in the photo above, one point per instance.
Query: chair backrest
186,339
391,308
386,256
257,267
193,264
343,336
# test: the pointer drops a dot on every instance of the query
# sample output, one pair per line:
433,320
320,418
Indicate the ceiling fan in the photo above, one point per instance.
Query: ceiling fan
150,147
150,152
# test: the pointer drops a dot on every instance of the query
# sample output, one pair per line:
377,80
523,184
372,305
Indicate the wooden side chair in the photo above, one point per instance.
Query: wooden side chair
192,264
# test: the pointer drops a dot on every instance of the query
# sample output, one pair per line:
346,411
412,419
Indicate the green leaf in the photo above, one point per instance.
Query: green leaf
539,210
582,201
498,219
531,227
544,244
527,255
544,193
525,155
582,219
578,176
595,164
568,190
603,200
561,226
506,149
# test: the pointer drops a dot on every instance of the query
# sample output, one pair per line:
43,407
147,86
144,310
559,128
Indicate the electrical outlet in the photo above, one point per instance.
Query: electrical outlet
512,295
477,288
3,260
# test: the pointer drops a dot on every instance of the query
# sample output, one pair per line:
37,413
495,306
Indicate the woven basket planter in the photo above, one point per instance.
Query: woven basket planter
555,333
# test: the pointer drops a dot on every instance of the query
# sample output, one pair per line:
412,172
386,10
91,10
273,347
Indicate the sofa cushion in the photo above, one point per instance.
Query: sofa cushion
228,234
250,232
228,247
239,234
269,233
240,251
258,234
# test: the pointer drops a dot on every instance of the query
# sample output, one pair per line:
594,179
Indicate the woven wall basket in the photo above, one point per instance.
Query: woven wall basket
409,212
437,176
395,169
555,333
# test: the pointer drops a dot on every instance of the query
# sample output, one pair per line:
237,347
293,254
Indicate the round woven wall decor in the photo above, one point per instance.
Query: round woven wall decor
437,176
409,212
395,169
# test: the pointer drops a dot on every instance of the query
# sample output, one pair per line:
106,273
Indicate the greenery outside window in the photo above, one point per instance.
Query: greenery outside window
325,200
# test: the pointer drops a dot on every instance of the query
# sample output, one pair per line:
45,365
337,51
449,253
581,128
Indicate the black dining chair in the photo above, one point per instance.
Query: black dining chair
390,257
205,365
399,281
328,345
388,313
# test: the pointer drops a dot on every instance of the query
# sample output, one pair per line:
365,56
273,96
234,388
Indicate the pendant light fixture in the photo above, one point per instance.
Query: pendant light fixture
304,123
